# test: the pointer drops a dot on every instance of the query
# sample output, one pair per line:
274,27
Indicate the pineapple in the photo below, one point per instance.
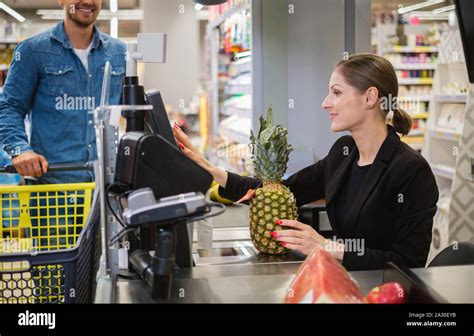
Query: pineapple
270,152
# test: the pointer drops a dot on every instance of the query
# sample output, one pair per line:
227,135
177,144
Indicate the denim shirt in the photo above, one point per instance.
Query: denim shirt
48,83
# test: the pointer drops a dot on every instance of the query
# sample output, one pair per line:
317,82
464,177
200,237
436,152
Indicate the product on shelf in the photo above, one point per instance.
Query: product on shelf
6,56
451,116
235,33
418,127
412,58
415,73
454,88
240,105
414,105
218,10
414,90
3,77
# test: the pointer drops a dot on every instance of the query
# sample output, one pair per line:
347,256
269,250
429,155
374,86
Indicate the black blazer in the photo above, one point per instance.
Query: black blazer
393,212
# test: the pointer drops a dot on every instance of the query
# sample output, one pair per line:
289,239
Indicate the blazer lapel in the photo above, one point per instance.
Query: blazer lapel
337,180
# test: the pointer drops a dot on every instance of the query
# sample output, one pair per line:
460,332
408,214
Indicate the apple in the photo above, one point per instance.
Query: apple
390,292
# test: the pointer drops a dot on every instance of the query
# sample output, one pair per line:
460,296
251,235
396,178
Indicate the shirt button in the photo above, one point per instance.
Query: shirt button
89,145
90,122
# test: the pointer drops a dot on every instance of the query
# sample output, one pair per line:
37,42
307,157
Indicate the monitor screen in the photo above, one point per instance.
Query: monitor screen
156,121
465,15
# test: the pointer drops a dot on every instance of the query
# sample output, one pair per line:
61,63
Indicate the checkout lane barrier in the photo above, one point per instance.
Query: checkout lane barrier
47,245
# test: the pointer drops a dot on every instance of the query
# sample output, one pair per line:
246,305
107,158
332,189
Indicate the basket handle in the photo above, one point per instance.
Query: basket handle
8,267
10,169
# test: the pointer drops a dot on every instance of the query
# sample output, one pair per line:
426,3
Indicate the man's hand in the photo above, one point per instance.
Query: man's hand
30,164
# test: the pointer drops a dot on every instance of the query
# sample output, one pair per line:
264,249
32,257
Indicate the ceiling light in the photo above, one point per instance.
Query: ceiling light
444,9
113,6
429,15
12,12
419,6
114,27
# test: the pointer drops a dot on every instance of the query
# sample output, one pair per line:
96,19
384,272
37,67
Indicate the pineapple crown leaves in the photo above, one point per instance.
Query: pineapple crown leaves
270,150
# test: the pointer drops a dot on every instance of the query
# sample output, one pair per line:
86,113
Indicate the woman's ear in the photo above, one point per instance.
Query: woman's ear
371,97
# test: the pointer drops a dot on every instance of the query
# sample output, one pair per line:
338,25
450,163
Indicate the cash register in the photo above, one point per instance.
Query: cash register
162,189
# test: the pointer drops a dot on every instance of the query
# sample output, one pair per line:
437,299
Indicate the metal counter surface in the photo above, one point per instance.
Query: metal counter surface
246,283
454,283
250,277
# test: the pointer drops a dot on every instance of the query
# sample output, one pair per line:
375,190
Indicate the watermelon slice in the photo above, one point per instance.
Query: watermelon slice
322,279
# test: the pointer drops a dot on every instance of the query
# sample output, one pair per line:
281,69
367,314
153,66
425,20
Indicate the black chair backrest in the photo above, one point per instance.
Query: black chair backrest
460,253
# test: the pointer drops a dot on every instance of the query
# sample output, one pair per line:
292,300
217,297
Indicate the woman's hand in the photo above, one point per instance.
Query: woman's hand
303,238
219,175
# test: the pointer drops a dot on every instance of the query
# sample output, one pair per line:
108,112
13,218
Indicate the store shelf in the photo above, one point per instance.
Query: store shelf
445,133
240,112
444,98
233,89
403,49
443,171
236,129
416,98
240,67
415,81
414,66
9,41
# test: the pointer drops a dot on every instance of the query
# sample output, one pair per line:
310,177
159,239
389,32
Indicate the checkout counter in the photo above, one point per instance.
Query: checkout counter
233,272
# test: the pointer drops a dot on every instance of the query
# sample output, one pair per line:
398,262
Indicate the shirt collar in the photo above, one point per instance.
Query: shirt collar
59,34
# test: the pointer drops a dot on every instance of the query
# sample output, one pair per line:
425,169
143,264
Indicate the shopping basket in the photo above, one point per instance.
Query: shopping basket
48,239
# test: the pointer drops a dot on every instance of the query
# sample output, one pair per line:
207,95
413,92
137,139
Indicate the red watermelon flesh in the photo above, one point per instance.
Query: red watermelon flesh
322,279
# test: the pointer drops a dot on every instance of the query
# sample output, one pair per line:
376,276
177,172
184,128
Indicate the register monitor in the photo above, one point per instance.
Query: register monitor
156,120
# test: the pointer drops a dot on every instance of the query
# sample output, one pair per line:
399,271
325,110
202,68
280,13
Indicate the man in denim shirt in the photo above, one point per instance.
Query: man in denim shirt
55,78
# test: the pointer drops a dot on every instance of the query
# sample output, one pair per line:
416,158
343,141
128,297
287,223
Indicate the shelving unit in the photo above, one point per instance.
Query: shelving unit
449,144
456,98
8,41
230,77
415,66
